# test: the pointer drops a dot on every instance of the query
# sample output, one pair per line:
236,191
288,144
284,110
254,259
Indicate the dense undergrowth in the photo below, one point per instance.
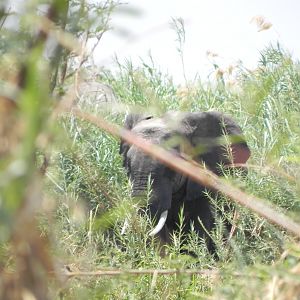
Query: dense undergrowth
64,194
94,189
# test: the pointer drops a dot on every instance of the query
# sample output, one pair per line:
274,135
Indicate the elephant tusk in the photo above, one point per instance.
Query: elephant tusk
124,227
160,224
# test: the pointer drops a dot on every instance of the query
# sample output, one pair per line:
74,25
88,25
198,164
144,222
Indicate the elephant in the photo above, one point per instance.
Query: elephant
204,136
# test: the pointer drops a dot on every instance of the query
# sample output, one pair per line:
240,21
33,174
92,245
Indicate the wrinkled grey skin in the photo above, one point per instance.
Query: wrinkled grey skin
179,132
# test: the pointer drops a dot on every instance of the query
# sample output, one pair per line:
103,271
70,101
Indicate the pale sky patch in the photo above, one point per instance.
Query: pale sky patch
222,27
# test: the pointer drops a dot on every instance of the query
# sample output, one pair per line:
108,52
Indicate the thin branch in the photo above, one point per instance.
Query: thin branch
209,273
214,273
59,57
4,16
196,172
65,39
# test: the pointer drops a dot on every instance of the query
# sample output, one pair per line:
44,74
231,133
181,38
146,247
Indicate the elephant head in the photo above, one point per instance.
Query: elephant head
207,136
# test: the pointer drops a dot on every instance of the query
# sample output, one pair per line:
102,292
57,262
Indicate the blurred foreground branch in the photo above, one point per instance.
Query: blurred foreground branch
209,273
21,196
196,172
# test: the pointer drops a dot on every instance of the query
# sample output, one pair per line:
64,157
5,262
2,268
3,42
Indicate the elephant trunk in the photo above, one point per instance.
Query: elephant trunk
160,198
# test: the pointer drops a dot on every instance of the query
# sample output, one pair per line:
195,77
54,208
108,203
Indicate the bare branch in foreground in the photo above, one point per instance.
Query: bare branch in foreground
196,172
213,273
208,273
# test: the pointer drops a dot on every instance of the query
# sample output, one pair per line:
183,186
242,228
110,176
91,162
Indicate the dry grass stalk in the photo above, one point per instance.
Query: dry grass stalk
261,23
154,272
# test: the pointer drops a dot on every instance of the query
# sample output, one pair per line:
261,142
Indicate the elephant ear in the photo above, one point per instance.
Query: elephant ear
239,148
131,120
241,153
206,131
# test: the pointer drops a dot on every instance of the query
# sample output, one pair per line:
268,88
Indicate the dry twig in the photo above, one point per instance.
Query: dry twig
208,273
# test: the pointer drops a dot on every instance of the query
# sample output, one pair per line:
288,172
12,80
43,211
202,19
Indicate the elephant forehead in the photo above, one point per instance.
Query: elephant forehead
155,122
209,124
152,129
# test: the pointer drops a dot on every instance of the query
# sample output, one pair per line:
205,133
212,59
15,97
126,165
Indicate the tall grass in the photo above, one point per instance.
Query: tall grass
264,103
69,212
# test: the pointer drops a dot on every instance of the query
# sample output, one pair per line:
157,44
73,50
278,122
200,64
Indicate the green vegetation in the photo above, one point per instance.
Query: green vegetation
64,195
